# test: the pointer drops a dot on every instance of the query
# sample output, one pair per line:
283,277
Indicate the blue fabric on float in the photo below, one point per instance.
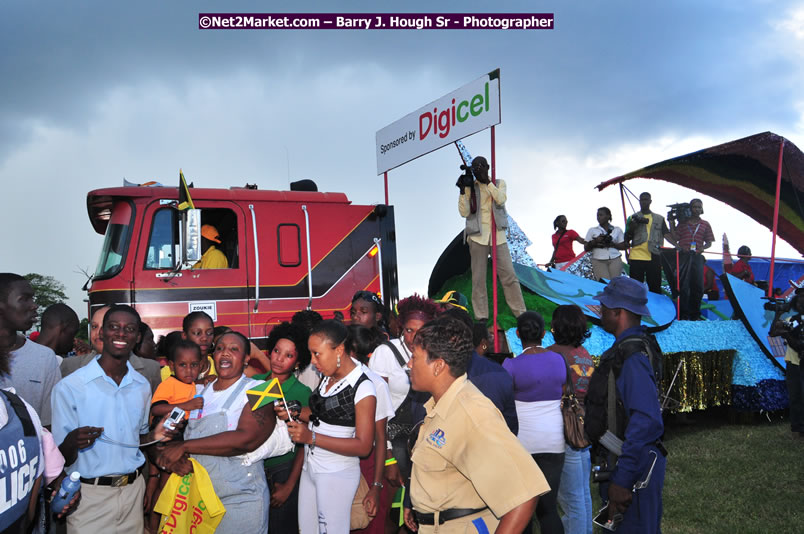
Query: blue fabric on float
751,366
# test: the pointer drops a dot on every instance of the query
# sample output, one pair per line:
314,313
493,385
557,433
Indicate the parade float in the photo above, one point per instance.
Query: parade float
726,359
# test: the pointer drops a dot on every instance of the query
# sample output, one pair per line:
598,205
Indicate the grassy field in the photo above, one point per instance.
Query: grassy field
728,478
731,478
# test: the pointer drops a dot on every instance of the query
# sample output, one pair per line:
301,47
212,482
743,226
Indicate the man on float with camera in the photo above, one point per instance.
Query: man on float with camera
646,232
692,235
480,200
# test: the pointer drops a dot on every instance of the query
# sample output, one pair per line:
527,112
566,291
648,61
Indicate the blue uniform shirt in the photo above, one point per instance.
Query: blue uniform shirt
637,388
495,383
89,397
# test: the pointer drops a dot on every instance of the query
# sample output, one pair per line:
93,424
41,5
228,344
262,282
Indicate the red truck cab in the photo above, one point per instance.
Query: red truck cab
286,251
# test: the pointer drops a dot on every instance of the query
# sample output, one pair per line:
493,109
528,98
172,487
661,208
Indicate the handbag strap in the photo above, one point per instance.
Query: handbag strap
569,376
555,247
402,363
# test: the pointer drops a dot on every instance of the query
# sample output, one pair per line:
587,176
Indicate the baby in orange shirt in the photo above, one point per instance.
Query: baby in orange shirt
178,391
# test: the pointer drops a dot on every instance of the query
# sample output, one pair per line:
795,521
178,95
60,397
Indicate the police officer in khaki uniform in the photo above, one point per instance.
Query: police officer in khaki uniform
470,473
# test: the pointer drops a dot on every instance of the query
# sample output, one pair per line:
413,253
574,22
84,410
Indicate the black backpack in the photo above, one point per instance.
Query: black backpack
604,408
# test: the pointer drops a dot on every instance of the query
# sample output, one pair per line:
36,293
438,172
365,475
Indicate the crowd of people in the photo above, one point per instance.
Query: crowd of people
394,406
384,422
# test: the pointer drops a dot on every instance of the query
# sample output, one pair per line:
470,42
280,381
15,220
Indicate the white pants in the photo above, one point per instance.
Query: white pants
325,501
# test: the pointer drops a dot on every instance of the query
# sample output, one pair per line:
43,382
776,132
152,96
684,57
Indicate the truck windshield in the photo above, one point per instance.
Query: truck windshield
115,244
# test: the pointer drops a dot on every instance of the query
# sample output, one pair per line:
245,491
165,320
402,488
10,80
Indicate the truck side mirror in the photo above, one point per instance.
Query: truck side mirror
191,236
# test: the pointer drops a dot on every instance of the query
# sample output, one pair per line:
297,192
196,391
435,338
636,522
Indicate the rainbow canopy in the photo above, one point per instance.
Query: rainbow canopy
742,174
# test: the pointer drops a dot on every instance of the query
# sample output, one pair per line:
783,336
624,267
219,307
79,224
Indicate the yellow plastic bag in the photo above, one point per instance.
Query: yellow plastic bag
189,505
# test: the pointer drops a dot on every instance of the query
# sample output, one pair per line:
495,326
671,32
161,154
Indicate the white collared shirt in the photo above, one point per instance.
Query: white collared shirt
610,253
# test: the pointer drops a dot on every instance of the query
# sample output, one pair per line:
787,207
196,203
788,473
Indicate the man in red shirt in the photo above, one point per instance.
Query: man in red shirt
693,236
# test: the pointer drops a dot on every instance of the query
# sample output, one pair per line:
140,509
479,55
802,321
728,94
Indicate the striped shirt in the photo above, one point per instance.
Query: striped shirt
698,233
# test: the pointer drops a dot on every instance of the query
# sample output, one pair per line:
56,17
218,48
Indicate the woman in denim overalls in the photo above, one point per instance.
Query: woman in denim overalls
228,428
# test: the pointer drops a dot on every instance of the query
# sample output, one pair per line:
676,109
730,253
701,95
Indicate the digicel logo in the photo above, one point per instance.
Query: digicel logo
442,121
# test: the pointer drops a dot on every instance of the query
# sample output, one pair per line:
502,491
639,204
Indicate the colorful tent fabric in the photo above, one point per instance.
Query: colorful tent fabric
742,174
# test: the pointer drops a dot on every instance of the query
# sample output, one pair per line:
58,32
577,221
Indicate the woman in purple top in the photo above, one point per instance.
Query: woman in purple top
575,497
539,376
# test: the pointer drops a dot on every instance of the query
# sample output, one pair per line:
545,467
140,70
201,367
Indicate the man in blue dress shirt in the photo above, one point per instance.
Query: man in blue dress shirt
100,417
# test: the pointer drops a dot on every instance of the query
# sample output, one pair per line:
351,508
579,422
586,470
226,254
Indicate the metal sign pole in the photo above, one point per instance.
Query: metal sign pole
494,246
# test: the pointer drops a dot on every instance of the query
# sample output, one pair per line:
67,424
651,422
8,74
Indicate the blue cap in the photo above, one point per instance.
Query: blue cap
626,293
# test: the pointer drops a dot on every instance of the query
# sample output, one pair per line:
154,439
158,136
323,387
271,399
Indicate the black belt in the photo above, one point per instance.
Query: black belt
116,481
446,515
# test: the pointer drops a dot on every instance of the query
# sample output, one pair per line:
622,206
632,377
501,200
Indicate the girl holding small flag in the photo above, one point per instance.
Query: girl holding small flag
287,350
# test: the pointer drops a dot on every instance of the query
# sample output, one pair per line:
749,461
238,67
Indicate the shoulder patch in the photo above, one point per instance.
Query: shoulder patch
437,438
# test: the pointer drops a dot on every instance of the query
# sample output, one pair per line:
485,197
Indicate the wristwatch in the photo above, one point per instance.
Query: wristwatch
378,484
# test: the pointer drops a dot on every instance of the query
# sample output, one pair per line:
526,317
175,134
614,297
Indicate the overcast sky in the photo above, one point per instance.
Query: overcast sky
94,92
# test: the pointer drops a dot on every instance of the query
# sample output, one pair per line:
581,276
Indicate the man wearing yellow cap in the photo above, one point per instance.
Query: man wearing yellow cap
211,257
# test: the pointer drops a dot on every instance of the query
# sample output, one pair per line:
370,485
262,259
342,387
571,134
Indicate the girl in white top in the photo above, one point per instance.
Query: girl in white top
341,429
360,344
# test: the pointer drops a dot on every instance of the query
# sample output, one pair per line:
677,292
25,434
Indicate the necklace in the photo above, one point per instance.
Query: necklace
526,349
335,388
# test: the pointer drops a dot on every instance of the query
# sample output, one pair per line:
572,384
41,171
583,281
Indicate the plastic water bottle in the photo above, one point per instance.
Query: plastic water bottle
196,414
69,487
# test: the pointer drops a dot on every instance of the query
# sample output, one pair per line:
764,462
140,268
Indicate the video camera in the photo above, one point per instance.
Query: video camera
779,305
604,240
467,179
793,335
679,212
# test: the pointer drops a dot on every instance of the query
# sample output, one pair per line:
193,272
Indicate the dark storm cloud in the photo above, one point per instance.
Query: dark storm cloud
608,70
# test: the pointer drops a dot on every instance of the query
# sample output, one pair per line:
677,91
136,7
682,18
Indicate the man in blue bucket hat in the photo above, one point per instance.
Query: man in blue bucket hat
623,415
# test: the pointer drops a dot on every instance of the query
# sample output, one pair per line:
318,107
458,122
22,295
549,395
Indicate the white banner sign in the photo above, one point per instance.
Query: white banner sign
473,107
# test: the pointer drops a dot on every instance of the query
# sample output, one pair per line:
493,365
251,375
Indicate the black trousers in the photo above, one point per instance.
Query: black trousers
795,390
690,274
551,465
648,271
691,291
286,517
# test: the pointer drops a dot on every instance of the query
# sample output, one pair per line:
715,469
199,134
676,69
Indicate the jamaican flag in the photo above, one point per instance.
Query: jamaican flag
264,394
185,201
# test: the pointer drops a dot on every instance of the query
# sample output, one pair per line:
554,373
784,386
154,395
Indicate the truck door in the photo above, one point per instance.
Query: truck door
164,294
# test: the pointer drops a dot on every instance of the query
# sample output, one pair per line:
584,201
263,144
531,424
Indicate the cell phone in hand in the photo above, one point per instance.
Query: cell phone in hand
176,415
294,409
602,520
